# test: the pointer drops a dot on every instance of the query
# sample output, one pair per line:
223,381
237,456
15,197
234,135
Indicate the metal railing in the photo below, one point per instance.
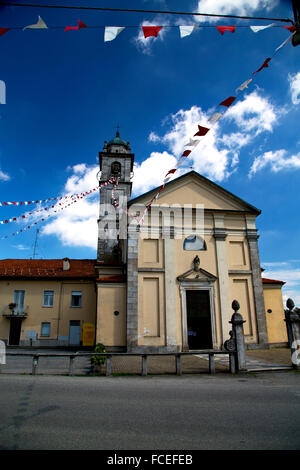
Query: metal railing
144,356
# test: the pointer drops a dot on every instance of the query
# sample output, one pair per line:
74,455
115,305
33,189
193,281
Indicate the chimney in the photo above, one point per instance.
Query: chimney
66,264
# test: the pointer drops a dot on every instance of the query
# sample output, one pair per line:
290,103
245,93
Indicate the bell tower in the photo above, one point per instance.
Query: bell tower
116,160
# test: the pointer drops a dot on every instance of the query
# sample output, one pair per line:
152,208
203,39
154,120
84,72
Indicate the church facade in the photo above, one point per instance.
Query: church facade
164,285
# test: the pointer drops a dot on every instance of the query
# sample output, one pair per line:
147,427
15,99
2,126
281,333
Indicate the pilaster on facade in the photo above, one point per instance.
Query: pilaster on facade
223,277
170,294
252,237
132,290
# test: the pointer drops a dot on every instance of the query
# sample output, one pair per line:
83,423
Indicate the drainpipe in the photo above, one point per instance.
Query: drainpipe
59,309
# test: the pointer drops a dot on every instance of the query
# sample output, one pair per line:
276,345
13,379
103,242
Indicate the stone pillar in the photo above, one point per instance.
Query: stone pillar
258,293
223,277
292,319
170,294
237,341
132,289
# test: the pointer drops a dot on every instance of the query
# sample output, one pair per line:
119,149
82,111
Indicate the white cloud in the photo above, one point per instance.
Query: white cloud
77,225
4,176
254,114
232,7
294,82
277,160
150,173
206,158
21,247
217,155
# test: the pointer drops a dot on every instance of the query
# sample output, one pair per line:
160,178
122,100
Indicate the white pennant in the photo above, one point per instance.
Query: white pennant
256,29
192,143
243,85
187,30
285,42
111,32
215,117
39,25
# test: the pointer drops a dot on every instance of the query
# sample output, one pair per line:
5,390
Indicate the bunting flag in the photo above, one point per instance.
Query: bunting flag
284,43
111,32
80,25
290,28
192,143
57,208
39,25
222,29
243,85
201,131
215,117
77,195
151,31
3,31
187,30
264,65
256,29
228,102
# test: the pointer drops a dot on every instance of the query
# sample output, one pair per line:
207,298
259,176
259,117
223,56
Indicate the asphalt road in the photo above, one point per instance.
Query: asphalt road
260,411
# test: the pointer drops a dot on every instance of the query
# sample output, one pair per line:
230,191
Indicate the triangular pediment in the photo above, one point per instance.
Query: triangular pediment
193,276
193,188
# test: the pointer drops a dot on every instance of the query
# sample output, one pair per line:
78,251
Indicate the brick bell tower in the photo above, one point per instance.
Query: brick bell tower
116,160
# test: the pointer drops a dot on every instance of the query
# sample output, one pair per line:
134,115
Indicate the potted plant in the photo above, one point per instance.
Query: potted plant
12,306
98,362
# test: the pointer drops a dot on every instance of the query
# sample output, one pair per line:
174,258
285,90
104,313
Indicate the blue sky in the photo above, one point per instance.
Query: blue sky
67,91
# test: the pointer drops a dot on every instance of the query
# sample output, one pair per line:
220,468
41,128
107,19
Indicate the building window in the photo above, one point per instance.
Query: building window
19,301
116,168
48,298
45,329
194,243
76,299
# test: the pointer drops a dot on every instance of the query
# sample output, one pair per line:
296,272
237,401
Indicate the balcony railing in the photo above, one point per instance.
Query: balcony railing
14,313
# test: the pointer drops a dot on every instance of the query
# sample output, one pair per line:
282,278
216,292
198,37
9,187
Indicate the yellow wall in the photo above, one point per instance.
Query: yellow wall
59,315
111,329
275,321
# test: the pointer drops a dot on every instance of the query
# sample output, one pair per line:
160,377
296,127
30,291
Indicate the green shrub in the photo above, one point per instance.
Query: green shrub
97,360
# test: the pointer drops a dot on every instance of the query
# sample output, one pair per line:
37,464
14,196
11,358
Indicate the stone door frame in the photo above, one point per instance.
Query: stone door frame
197,285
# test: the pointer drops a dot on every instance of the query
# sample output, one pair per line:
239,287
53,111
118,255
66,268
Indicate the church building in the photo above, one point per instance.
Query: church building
163,285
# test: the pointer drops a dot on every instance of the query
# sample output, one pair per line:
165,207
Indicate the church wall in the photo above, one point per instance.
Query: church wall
111,328
242,291
151,292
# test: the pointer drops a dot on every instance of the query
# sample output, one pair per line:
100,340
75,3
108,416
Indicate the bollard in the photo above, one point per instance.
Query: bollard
178,364
232,367
144,364
108,366
236,344
35,363
211,358
292,319
238,334
71,365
